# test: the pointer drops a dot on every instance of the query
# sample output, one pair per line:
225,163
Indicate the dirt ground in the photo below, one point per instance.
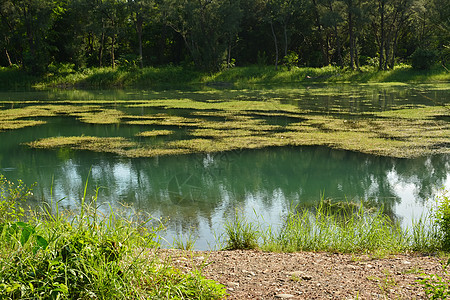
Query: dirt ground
308,275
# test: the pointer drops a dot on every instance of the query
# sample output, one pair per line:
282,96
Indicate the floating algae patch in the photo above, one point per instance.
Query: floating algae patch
240,123
229,143
153,152
386,137
11,119
166,120
91,143
17,124
421,112
230,105
217,133
104,116
152,133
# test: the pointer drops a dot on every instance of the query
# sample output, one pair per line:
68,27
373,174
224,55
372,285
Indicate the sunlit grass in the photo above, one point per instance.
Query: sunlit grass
177,76
344,227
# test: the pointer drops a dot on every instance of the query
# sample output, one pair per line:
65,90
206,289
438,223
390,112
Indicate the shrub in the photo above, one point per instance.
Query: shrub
443,220
11,194
423,59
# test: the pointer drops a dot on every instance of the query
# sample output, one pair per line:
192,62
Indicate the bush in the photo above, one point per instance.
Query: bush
443,220
11,194
423,59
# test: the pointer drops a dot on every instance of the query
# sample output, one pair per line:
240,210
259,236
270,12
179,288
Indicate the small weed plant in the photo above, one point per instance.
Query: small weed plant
437,287
86,255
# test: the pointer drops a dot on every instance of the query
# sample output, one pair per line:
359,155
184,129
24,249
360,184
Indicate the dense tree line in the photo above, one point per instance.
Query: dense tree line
213,34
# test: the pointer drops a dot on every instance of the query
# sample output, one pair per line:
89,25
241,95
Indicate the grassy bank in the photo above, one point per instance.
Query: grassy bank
343,227
14,78
176,76
52,254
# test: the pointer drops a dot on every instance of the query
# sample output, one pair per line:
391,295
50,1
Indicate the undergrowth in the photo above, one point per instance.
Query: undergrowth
170,76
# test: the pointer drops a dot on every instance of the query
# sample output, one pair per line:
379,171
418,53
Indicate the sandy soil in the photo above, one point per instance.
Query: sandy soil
307,275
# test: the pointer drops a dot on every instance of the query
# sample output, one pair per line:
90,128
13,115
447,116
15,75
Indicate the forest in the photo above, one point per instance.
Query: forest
211,35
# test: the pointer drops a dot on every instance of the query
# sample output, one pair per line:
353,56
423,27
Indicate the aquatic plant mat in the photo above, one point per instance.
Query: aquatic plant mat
214,121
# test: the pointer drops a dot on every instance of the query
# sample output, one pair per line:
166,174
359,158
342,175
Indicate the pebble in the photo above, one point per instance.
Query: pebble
284,296
232,284
250,273
300,274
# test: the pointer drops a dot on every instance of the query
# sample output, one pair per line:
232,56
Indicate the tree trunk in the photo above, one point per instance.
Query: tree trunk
285,40
319,30
100,50
162,44
276,45
229,55
336,38
113,58
338,46
355,47
350,35
139,24
8,58
381,5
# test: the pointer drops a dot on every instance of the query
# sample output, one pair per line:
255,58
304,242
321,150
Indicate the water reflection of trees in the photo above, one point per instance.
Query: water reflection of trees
192,190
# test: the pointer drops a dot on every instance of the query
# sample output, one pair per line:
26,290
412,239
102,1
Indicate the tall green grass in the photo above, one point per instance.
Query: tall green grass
53,254
181,77
342,227
329,74
107,77
13,78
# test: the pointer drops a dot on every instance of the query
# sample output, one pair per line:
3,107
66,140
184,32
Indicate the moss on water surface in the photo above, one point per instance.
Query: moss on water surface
112,144
213,125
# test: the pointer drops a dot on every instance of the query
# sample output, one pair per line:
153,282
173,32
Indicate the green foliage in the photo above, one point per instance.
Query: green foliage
291,60
240,234
88,254
436,287
423,59
442,215
11,196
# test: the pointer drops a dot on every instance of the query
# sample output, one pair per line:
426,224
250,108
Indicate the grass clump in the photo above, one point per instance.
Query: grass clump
55,254
344,227
241,234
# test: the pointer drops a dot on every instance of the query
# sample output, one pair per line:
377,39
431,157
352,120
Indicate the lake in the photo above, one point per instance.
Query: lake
196,191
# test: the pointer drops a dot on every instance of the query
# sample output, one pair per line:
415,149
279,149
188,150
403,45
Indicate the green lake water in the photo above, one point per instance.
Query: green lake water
197,193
